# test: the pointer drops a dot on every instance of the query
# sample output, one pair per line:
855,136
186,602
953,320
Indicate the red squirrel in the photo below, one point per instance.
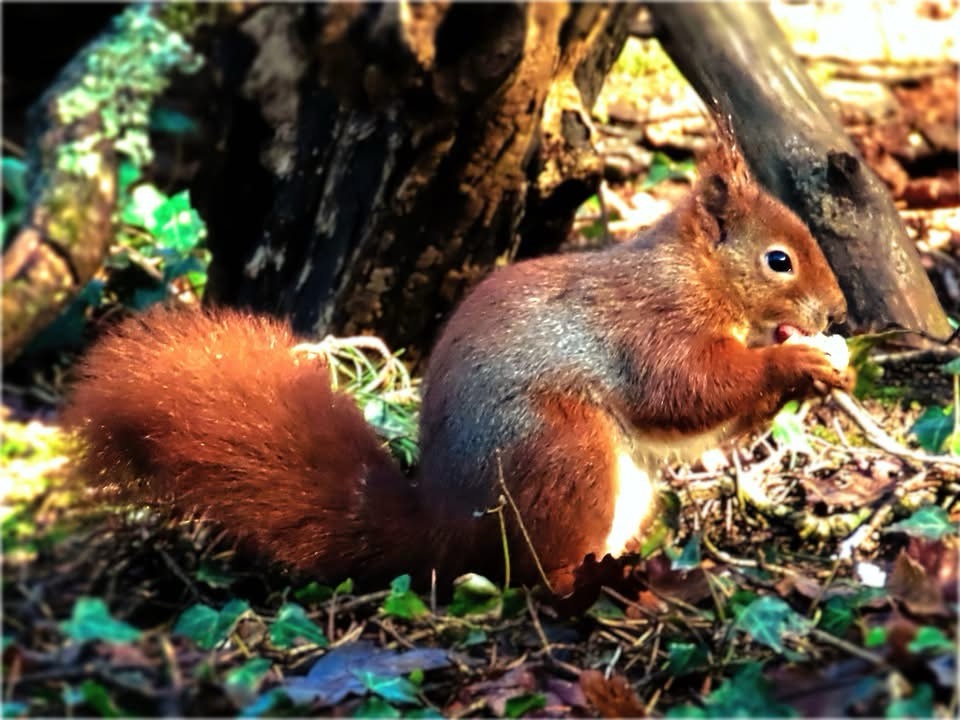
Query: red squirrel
572,377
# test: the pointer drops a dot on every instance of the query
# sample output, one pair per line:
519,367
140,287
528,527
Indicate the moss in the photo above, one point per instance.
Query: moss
124,73
184,17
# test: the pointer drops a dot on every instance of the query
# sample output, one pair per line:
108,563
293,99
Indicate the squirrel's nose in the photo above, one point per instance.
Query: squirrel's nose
837,317
837,314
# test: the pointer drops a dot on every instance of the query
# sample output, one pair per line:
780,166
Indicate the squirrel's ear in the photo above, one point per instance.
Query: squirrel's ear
724,176
714,195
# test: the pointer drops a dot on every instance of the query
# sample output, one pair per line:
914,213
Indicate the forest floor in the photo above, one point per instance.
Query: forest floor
811,570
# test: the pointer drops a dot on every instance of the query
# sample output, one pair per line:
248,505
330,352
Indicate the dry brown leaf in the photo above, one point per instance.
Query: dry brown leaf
911,584
611,697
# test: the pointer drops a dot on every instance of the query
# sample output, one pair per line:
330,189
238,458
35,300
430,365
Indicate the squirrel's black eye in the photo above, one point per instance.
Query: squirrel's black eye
779,261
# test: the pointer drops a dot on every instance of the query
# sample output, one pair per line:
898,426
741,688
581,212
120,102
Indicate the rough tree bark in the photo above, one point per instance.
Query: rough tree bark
736,54
404,145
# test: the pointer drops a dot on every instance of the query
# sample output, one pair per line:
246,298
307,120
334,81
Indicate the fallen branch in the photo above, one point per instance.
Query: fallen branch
879,437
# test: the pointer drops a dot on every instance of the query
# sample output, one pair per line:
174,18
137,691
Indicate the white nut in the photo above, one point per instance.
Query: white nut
833,346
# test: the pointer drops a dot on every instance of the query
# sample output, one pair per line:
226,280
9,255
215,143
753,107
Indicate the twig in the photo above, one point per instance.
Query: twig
332,349
331,616
881,514
523,527
361,600
608,671
535,618
181,575
878,436
849,647
504,542
387,627
13,149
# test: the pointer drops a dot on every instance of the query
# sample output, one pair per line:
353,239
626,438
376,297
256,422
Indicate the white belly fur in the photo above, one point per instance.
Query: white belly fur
638,466
634,502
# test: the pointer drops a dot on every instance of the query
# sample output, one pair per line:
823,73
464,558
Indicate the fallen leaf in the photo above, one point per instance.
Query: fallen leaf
91,620
767,619
939,558
912,585
832,690
611,697
846,490
341,671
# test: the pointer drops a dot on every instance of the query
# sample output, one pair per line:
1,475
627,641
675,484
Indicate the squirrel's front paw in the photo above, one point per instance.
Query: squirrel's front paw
806,366
834,348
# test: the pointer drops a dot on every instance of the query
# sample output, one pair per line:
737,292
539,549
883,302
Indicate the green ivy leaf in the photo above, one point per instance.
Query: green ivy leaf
178,225
91,620
127,175
684,658
97,697
689,557
514,602
344,588
747,694
214,576
952,367
144,201
522,704
475,636
292,623
15,179
933,428
392,689
740,600
313,593
207,627
931,638
688,710
605,609
930,522
198,624
242,683
788,430
664,526
376,707
474,595
402,602
768,618
173,122
919,705
269,704
14,709
875,637
837,616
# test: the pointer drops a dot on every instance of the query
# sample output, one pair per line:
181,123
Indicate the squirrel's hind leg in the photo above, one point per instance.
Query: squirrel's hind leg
577,489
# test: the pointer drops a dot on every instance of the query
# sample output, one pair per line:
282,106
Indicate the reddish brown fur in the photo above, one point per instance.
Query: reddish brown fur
564,489
546,371
210,411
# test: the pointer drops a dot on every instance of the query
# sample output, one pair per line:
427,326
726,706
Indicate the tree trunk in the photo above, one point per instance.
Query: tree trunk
736,55
404,145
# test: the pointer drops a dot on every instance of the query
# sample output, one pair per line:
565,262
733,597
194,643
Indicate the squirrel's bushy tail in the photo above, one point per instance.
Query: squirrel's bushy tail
209,412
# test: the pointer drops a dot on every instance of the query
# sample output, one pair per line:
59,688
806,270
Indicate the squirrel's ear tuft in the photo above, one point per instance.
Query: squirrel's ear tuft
724,176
